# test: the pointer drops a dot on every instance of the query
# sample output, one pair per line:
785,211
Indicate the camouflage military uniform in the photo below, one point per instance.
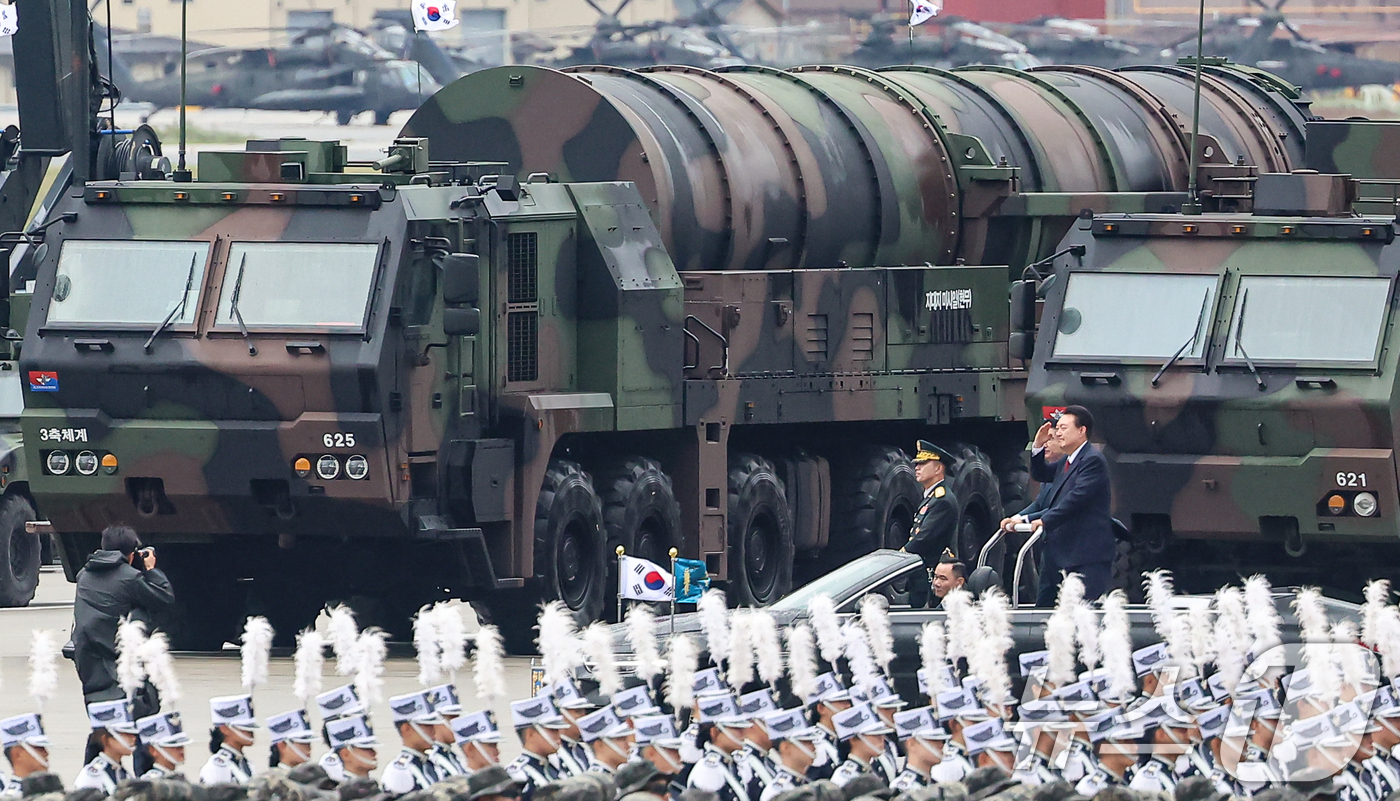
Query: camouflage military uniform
1153,776
409,771
783,780
101,774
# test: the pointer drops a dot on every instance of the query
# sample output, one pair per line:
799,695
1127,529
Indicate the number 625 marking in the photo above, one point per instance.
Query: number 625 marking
1351,479
343,440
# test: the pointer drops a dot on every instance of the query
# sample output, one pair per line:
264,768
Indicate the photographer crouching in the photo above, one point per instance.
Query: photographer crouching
118,580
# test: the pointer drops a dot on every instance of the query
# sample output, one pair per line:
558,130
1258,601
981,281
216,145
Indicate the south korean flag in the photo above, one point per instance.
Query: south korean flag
924,10
434,15
641,580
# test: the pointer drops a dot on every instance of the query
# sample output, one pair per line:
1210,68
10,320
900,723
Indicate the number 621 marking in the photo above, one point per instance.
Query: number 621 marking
1351,479
343,440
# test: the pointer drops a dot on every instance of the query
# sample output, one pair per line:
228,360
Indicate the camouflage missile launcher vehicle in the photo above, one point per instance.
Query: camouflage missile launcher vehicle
575,310
1241,369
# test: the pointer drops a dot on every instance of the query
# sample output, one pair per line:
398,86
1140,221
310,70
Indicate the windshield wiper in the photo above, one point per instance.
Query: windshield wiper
178,308
233,306
1195,335
1239,346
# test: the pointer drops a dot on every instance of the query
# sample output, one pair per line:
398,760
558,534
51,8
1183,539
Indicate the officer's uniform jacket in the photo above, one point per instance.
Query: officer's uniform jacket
101,774
1076,761
1153,776
1352,785
445,761
11,786
886,765
531,772
783,780
409,771
334,768
596,765
690,753
754,769
1034,771
1096,780
827,756
157,772
934,524
226,766
1197,761
955,765
572,758
850,769
715,773
908,780
1382,774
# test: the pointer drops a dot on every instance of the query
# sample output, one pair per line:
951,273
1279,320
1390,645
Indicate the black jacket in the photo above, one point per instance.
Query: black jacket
935,524
1076,513
108,590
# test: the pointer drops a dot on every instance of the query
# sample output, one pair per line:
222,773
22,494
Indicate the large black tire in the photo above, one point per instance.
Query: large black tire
209,600
760,532
640,512
570,552
875,498
979,500
19,553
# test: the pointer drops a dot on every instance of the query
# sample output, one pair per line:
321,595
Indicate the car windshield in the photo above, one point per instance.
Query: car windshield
1308,319
297,285
863,572
1135,315
127,283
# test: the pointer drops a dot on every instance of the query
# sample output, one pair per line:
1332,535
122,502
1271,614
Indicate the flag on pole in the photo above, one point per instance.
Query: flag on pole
434,15
641,580
924,10
9,19
692,579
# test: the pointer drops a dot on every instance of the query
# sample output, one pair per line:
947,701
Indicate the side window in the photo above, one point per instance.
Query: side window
418,290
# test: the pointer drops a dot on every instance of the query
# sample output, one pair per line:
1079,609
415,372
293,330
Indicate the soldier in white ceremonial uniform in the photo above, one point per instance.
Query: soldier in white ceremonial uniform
605,734
164,739
923,742
1157,773
26,749
479,739
755,768
114,737
538,725
232,732
864,733
1040,724
292,738
886,704
572,758
721,736
444,756
1117,746
794,741
352,740
829,698
342,702
956,708
415,721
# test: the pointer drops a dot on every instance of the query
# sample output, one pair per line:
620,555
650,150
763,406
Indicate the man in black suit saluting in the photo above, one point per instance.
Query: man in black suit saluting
1078,528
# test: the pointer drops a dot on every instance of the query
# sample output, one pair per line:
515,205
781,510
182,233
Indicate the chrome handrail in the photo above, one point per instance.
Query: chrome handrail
1020,562
987,548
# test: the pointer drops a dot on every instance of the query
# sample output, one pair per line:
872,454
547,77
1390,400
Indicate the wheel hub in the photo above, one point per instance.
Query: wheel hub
572,565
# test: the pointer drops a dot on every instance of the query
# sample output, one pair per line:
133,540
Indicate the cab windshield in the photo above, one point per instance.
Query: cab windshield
1308,319
128,282
1135,316
297,285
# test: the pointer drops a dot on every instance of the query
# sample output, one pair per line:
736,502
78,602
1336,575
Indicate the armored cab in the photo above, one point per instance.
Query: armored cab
569,311
1241,370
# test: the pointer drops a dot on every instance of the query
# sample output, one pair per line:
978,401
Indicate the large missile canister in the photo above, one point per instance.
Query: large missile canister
759,168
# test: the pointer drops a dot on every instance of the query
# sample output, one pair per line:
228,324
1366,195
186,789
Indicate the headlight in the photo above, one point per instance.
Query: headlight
58,462
86,463
1364,504
109,463
328,467
357,467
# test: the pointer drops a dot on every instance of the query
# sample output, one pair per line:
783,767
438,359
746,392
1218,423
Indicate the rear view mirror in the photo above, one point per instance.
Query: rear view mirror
461,278
1022,305
463,322
1020,345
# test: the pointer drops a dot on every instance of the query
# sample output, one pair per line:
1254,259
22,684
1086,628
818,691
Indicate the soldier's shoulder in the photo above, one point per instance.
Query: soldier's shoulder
218,758
939,492
92,769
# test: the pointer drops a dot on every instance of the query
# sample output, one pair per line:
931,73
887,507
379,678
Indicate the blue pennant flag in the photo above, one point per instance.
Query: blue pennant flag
692,579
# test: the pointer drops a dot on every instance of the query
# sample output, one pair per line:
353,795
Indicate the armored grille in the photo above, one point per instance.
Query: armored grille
948,326
815,342
522,251
522,352
862,336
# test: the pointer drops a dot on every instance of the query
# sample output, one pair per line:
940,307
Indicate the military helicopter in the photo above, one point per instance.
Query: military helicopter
1055,40
957,42
335,69
1295,58
697,41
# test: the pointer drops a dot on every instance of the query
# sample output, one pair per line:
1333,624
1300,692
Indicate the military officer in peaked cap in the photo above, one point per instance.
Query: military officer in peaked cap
26,748
864,733
659,743
936,522
605,733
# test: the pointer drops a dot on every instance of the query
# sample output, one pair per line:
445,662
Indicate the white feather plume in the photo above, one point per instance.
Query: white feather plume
452,637
310,661
131,672
370,651
641,635
1201,621
933,657
1388,641
1351,658
990,649
427,647
43,666
1377,597
1231,635
1115,641
1158,584
1059,647
802,660
343,632
857,650
1179,645
875,617
768,649
489,664
560,649
963,629
1071,592
1086,634
713,613
255,647
741,654
682,659
155,653
821,611
1314,632
1261,614
598,648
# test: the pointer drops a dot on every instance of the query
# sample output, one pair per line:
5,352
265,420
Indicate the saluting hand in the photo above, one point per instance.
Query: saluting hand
1042,435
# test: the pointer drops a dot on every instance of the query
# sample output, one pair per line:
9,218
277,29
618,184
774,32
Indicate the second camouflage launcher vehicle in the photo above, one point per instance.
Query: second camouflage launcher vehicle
1242,369
575,310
